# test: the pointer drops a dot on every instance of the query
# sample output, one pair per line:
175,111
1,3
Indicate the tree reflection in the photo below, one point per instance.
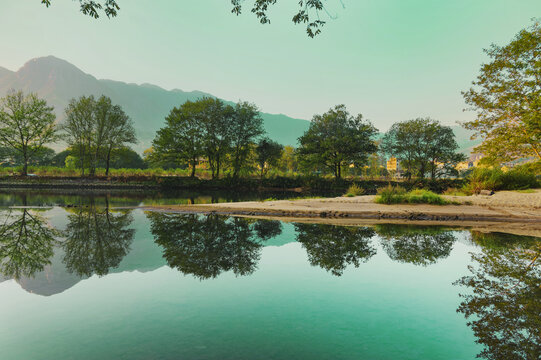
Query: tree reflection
333,248
97,239
415,245
503,299
207,245
26,243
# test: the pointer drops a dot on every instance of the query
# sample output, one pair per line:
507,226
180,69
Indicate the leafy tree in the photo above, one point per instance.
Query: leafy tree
79,126
181,140
26,243
416,245
26,125
96,239
268,154
94,128
126,158
93,8
507,97
119,127
246,126
336,139
423,146
288,161
333,248
217,123
502,300
207,245
43,157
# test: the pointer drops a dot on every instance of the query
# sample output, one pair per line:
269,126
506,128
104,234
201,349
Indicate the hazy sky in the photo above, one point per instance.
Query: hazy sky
390,60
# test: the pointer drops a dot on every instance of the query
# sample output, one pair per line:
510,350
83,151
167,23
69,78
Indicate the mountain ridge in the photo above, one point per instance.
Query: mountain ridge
58,81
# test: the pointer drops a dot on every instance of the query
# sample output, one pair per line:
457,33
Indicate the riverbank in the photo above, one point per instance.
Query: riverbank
506,211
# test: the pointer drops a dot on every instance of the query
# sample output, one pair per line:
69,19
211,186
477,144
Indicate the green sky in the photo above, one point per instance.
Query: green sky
390,60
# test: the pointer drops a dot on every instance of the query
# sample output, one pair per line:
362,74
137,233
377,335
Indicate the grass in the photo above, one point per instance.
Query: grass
354,190
526,191
397,195
456,192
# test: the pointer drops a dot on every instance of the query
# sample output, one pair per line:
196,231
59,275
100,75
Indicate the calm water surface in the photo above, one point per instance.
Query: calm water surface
82,280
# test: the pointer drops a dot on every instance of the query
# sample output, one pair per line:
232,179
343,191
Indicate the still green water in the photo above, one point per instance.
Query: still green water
80,280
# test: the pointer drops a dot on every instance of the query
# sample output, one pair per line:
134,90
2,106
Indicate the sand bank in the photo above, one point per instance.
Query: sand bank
507,211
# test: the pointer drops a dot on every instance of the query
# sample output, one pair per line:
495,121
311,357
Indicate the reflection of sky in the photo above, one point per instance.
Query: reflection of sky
383,309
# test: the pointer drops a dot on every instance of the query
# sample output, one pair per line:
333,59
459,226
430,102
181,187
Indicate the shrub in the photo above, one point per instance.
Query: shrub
456,192
391,195
518,178
354,190
397,195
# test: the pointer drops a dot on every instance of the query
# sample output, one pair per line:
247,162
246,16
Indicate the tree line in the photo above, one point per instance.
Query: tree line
506,96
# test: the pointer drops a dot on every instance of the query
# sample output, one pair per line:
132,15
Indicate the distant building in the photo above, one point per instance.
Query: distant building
392,164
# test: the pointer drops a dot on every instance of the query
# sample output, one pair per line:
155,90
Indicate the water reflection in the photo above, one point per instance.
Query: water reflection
416,245
207,245
97,239
333,248
26,243
503,297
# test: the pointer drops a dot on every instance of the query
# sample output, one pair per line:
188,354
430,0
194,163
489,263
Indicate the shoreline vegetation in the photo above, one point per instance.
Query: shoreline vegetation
505,211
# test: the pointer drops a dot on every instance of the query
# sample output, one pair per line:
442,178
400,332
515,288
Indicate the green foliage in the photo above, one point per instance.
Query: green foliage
502,297
93,8
354,190
518,178
94,128
268,154
309,13
423,146
507,97
27,124
398,195
337,139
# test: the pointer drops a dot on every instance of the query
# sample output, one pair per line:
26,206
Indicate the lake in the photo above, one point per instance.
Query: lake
80,279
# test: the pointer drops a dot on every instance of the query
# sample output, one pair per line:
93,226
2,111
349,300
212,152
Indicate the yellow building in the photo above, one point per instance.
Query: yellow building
392,164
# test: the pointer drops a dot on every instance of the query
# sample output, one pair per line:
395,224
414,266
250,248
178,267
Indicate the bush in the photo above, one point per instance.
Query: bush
397,195
354,190
518,178
391,195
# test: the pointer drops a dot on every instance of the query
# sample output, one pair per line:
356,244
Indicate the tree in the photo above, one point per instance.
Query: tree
181,140
336,139
94,128
78,127
416,245
507,97
422,146
207,245
288,161
502,299
246,126
119,127
96,239
27,124
268,154
92,7
333,248
217,121
26,243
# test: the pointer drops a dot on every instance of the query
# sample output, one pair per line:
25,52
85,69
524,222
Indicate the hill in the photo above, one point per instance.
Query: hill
58,81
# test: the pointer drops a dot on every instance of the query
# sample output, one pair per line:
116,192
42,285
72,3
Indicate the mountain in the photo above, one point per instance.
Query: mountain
58,81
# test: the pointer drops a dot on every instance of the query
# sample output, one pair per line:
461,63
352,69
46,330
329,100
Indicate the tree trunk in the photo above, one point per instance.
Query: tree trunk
108,160
25,165
194,161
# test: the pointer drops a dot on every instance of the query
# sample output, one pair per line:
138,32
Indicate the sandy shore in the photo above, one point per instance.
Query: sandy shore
506,211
